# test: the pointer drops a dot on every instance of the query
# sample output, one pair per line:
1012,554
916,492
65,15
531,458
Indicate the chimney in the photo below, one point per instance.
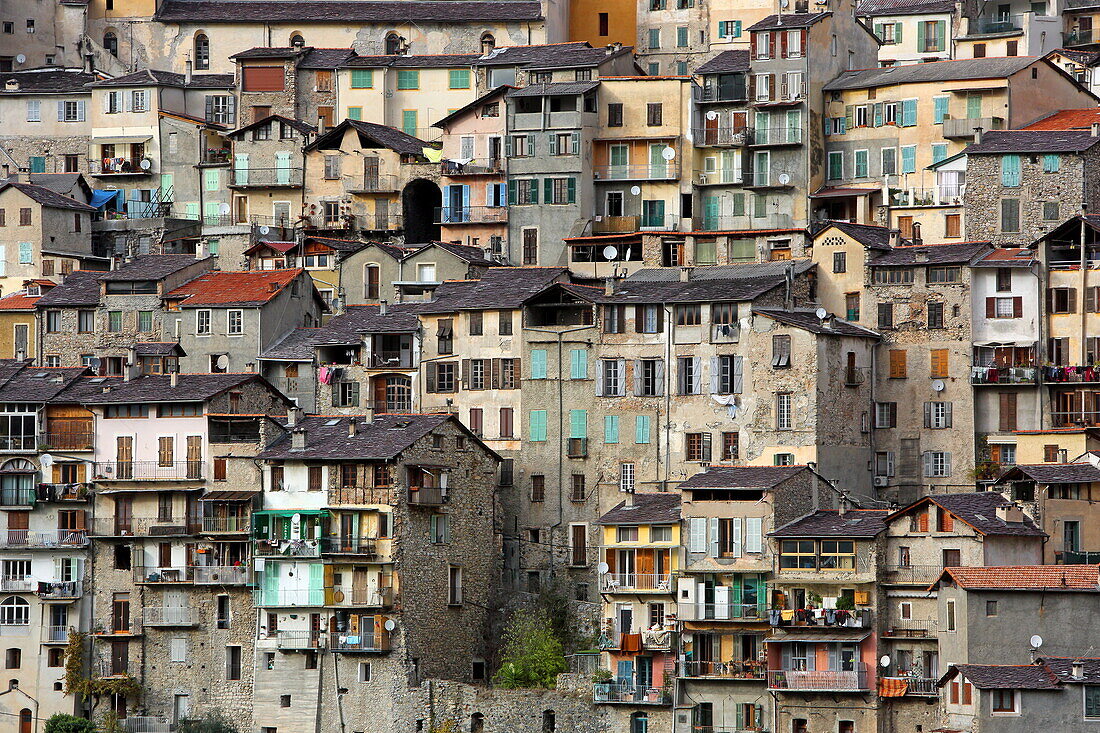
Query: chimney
628,502
895,237
978,135
353,428
827,321
917,238
320,125
173,379
187,74
685,274
293,416
89,66
609,286
298,439
920,257
1095,129
382,307
273,287
250,367
132,369
1078,667
1011,513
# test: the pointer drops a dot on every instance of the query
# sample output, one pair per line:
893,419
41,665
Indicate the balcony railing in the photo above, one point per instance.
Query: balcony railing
730,222
64,492
120,166
225,525
65,440
362,494
824,680
1077,418
471,215
170,616
55,590
356,221
349,545
777,136
724,176
764,179
912,574
286,548
17,496
149,471
860,618
963,127
476,167
722,135
721,611
621,582
994,24
918,686
298,639
18,585
428,495
653,172
265,177
214,156
377,641
611,692
745,670
1070,557
1079,37
372,184
143,526
55,634
290,597
911,628
363,598
222,574
715,93
937,196
1005,375
170,574
44,538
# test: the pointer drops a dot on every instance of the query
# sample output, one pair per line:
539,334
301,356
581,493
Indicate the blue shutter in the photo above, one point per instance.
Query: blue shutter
940,109
909,113
538,364
641,429
611,429
1010,170
909,159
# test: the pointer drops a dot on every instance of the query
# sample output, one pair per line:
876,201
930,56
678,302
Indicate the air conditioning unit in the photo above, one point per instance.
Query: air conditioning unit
880,481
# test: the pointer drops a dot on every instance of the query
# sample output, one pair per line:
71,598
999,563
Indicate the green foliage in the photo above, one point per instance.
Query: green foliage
76,683
845,603
62,723
109,723
212,722
533,655
602,675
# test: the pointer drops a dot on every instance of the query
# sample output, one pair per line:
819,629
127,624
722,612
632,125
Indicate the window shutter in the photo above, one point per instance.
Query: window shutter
947,414
552,141
641,429
532,145
599,377
947,464
941,34
926,457
878,30
927,414
696,375
60,111
712,525
893,414
754,534
990,307
706,448
575,143
897,32
1072,300
465,366
849,116
621,366
209,109
80,110
637,377
878,114
511,193
548,190
508,147
429,378
714,374
738,376
1018,307
697,534
737,536
920,37
534,189
782,45
571,187
659,377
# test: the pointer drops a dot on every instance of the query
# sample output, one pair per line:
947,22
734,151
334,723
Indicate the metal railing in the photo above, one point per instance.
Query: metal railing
222,574
65,492
149,471
361,494
470,215
827,680
1079,418
1079,37
721,611
386,183
60,589
654,172
715,93
290,597
169,574
286,548
476,167
744,669
169,616
391,360
18,585
214,156
1073,373
937,196
428,495
225,525
349,545
912,574
1071,557
921,686
17,496
991,24
717,177
146,724
354,221
612,692
143,526
777,135
619,582
48,538
55,634
722,135
911,628
265,177
1003,375
376,641
365,598
69,440
298,639
119,166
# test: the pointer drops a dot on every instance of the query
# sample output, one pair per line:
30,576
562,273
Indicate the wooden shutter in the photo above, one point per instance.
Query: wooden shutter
1007,411
990,307
262,79
1017,307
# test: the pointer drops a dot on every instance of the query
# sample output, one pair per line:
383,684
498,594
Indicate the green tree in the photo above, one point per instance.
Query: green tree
533,655
213,722
62,723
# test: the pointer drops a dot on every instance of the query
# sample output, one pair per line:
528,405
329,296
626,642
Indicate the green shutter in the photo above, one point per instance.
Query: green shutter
459,78
538,426
878,114
212,178
920,37
548,190
408,122
534,189
941,34
897,32
538,364
611,429
578,423
739,204
940,109
641,429
362,78
408,79
355,113
511,193
578,364
572,191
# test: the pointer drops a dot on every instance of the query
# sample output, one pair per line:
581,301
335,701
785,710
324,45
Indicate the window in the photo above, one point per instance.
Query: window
885,315
840,262
937,415
454,586
886,415
783,411
235,322
445,336
626,477
232,663
615,114
892,276
688,315
202,52
836,165
838,555
851,306
1010,215
935,314
114,321
439,532
1005,702
781,351
727,374
943,274
459,78
612,378
1061,300
897,364
688,376
1092,701
937,464
408,79
697,447
938,368
653,114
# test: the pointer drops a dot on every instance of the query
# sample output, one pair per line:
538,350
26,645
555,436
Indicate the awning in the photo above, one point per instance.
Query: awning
114,139
995,344
855,636
145,490
229,496
286,512
101,198
827,193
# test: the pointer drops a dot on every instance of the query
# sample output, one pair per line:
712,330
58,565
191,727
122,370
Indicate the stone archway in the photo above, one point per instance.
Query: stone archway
419,201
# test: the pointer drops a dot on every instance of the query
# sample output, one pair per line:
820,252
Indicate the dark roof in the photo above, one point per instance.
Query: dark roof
149,267
268,52
382,439
472,255
229,495
788,20
499,288
853,523
46,197
807,320
571,54
1062,667
339,244
1007,676
647,509
1033,141
742,477
158,348
441,60
325,58
146,77
868,235
381,135
491,94
934,254
724,62
904,7
347,328
1080,56
80,287
303,127
347,11
1053,473
705,284
38,384
554,88
48,79
296,345
979,510
158,388
934,71
66,184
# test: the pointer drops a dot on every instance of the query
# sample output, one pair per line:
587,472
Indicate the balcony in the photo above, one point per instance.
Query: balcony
964,127
364,494
995,25
790,680
286,548
775,136
265,177
1080,37
923,575
214,156
1077,418
911,628
428,495
298,640
142,527
162,575
17,496
915,686
149,471
222,574
476,167
378,641
470,215
350,546
946,195
226,525
271,597
808,618
170,616
616,224
723,177
722,136
55,634
69,440
361,598
65,492
372,184
1003,375
49,539
742,670
1069,557
722,611
730,223
1073,374
356,221
119,627
383,359
632,582
765,179
855,376
18,585
120,166
614,693
654,172
60,590
734,93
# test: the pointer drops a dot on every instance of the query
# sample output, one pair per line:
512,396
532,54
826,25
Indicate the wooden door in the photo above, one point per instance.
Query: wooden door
18,525
370,173
315,628
124,515
119,657
164,555
124,457
359,585
120,613
710,129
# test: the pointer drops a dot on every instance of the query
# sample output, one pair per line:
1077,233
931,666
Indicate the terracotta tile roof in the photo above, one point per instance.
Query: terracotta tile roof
254,287
1026,577
1008,257
1067,119
1006,676
647,509
853,523
18,302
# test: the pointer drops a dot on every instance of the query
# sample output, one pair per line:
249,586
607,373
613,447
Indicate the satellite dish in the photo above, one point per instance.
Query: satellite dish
1036,641
712,115
821,313
265,229
296,518
223,208
635,190
938,385
223,361
95,362
20,59
884,661
45,460
602,567
784,179
146,164
668,153
390,624
610,253
686,636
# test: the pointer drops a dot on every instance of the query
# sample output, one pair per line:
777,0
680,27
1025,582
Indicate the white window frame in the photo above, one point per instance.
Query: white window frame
627,477
203,322
231,314
1015,712
937,415
784,420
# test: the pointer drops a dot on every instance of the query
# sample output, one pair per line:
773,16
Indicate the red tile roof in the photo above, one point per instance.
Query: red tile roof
1067,119
18,302
1027,577
254,287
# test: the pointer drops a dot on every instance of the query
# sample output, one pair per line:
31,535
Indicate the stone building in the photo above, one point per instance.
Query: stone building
1017,697
1059,497
267,177
910,32
51,106
293,82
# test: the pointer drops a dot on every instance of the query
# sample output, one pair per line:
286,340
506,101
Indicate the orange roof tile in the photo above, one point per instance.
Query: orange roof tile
234,288
18,302
1067,119
1027,577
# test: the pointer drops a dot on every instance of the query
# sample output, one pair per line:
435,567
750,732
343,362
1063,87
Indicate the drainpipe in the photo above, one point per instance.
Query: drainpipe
336,686
668,316
1082,261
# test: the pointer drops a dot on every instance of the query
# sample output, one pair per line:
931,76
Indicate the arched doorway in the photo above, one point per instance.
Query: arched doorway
419,201
26,721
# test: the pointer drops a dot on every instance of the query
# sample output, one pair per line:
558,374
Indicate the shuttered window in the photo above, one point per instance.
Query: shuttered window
263,79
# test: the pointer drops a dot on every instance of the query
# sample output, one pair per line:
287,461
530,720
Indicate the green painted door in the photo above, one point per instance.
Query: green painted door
282,168
240,169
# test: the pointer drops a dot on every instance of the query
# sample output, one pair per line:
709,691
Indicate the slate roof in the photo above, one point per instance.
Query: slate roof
737,284
933,71
65,184
158,348
554,88
325,58
146,77
382,439
868,235
225,289
19,301
149,267
280,247
46,197
337,243
347,11
935,254
1083,57
979,510
788,20
472,255
440,61
742,477
1067,119
387,137
491,94
904,7
38,384
571,54
1032,141
346,328
80,287
1007,676
1062,667
500,288
1025,577
303,127
268,52
853,523
648,509
725,62
807,320
48,79
158,388
1053,473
